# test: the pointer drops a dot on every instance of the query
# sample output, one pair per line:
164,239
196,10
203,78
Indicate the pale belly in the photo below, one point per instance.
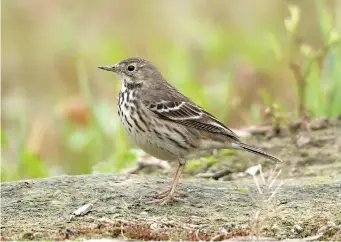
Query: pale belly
149,136
150,142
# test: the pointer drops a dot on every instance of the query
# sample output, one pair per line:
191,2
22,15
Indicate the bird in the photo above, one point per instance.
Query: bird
165,123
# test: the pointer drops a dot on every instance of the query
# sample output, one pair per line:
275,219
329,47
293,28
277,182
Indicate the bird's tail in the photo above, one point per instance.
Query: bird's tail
255,150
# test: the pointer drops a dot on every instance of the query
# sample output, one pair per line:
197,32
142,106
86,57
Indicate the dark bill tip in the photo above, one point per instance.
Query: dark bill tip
107,68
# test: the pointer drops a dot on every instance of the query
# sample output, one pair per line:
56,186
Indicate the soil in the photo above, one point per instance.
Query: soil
303,202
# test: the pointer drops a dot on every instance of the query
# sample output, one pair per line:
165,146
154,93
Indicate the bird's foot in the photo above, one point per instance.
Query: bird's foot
166,197
166,193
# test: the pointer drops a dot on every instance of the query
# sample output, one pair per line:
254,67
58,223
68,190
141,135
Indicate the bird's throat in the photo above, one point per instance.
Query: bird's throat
132,85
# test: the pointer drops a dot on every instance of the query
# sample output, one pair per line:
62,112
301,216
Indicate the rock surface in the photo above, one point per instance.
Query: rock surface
41,209
308,203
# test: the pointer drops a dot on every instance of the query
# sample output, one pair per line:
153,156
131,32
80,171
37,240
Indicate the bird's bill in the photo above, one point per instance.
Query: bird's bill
108,68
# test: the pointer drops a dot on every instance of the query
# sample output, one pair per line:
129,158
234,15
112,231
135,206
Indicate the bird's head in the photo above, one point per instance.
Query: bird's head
135,71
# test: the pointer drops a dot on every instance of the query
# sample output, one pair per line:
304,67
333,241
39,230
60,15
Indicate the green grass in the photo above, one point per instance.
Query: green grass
323,94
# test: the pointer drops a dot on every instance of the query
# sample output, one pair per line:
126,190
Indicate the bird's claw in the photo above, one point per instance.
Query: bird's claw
166,197
166,193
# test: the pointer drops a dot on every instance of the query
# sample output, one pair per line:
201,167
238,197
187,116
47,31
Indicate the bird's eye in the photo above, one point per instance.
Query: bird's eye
131,68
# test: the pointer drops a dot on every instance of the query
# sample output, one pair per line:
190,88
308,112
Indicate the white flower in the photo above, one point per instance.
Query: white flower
292,21
294,13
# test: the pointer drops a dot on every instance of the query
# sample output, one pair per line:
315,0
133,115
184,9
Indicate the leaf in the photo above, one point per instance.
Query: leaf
325,19
332,76
32,166
3,139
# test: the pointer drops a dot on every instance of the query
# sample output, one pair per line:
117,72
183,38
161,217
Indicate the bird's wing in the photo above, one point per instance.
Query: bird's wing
188,114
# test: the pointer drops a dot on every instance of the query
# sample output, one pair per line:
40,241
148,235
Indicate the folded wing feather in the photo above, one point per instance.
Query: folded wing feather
189,114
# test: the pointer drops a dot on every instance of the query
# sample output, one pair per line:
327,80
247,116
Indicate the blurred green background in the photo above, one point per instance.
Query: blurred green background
235,58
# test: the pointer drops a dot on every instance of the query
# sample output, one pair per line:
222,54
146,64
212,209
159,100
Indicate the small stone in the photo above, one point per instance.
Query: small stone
154,226
252,170
319,123
322,230
240,174
297,228
275,228
244,226
82,210
303,141
331,224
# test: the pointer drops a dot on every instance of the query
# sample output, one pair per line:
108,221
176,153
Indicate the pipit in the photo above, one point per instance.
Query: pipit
165,123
